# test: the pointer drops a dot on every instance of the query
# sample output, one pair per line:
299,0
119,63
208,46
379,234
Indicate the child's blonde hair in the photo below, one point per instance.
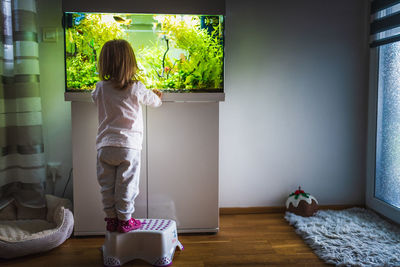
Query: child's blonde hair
117,63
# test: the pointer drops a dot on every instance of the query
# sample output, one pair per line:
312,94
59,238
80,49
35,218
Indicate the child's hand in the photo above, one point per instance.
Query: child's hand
158,93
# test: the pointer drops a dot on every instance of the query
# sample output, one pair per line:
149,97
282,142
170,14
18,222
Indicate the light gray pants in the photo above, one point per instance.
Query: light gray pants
118,172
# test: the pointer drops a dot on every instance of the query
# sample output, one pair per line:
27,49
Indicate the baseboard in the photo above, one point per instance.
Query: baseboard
257,210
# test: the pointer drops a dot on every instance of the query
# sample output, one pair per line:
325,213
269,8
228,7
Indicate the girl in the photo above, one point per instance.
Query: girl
120,134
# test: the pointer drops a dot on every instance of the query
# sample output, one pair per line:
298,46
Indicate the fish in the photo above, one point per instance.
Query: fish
182,57
122,20
80,17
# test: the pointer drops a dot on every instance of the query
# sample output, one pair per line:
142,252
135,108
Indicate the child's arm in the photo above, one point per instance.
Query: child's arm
149,97
95,93
158,93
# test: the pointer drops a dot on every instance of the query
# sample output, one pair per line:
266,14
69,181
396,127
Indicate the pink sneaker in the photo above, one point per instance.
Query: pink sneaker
112,224
129,225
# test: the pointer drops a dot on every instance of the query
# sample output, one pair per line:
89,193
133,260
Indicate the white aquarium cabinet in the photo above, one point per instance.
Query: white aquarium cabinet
179,172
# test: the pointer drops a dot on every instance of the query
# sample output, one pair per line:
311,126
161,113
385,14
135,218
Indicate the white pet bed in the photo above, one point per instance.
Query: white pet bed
20,236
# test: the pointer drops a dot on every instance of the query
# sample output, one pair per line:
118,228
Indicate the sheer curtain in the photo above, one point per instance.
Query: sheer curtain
22,160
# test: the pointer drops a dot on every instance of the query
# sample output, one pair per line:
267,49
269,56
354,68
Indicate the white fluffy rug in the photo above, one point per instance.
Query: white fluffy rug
352,237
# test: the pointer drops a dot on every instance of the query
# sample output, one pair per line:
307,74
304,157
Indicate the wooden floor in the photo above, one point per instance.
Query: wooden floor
243,240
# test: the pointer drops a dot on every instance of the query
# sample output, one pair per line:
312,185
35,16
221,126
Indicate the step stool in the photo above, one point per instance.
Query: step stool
154,242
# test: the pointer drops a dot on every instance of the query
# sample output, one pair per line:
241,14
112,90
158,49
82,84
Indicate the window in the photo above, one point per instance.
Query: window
387,173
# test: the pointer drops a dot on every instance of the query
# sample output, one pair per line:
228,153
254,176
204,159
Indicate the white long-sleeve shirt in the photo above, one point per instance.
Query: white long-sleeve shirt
120,114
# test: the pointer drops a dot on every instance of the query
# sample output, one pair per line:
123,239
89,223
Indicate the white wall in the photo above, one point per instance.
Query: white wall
296,102
56,112
295,109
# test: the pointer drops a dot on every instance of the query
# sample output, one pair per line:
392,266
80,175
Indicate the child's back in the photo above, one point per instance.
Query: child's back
120,114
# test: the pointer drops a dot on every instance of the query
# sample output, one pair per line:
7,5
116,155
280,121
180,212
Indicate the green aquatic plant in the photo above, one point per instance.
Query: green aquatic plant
80,73
199,66
182,56
83,45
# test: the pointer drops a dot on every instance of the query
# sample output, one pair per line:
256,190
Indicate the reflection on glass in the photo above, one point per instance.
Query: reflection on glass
163,207
176,52
387,176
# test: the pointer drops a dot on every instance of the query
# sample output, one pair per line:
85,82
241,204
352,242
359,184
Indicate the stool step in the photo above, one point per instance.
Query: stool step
154,242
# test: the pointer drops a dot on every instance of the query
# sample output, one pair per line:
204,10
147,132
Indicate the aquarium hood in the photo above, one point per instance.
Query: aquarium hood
212,7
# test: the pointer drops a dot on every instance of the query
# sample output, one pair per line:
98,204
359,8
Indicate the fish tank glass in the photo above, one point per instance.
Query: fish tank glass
177,53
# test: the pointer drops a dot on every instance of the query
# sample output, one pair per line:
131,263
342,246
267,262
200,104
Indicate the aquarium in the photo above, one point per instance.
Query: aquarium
178,53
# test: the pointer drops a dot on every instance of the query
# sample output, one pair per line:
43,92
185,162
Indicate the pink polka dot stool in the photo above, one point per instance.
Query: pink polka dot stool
154,242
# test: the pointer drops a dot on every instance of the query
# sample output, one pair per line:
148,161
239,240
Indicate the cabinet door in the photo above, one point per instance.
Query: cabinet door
141,199
182,142
88,209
